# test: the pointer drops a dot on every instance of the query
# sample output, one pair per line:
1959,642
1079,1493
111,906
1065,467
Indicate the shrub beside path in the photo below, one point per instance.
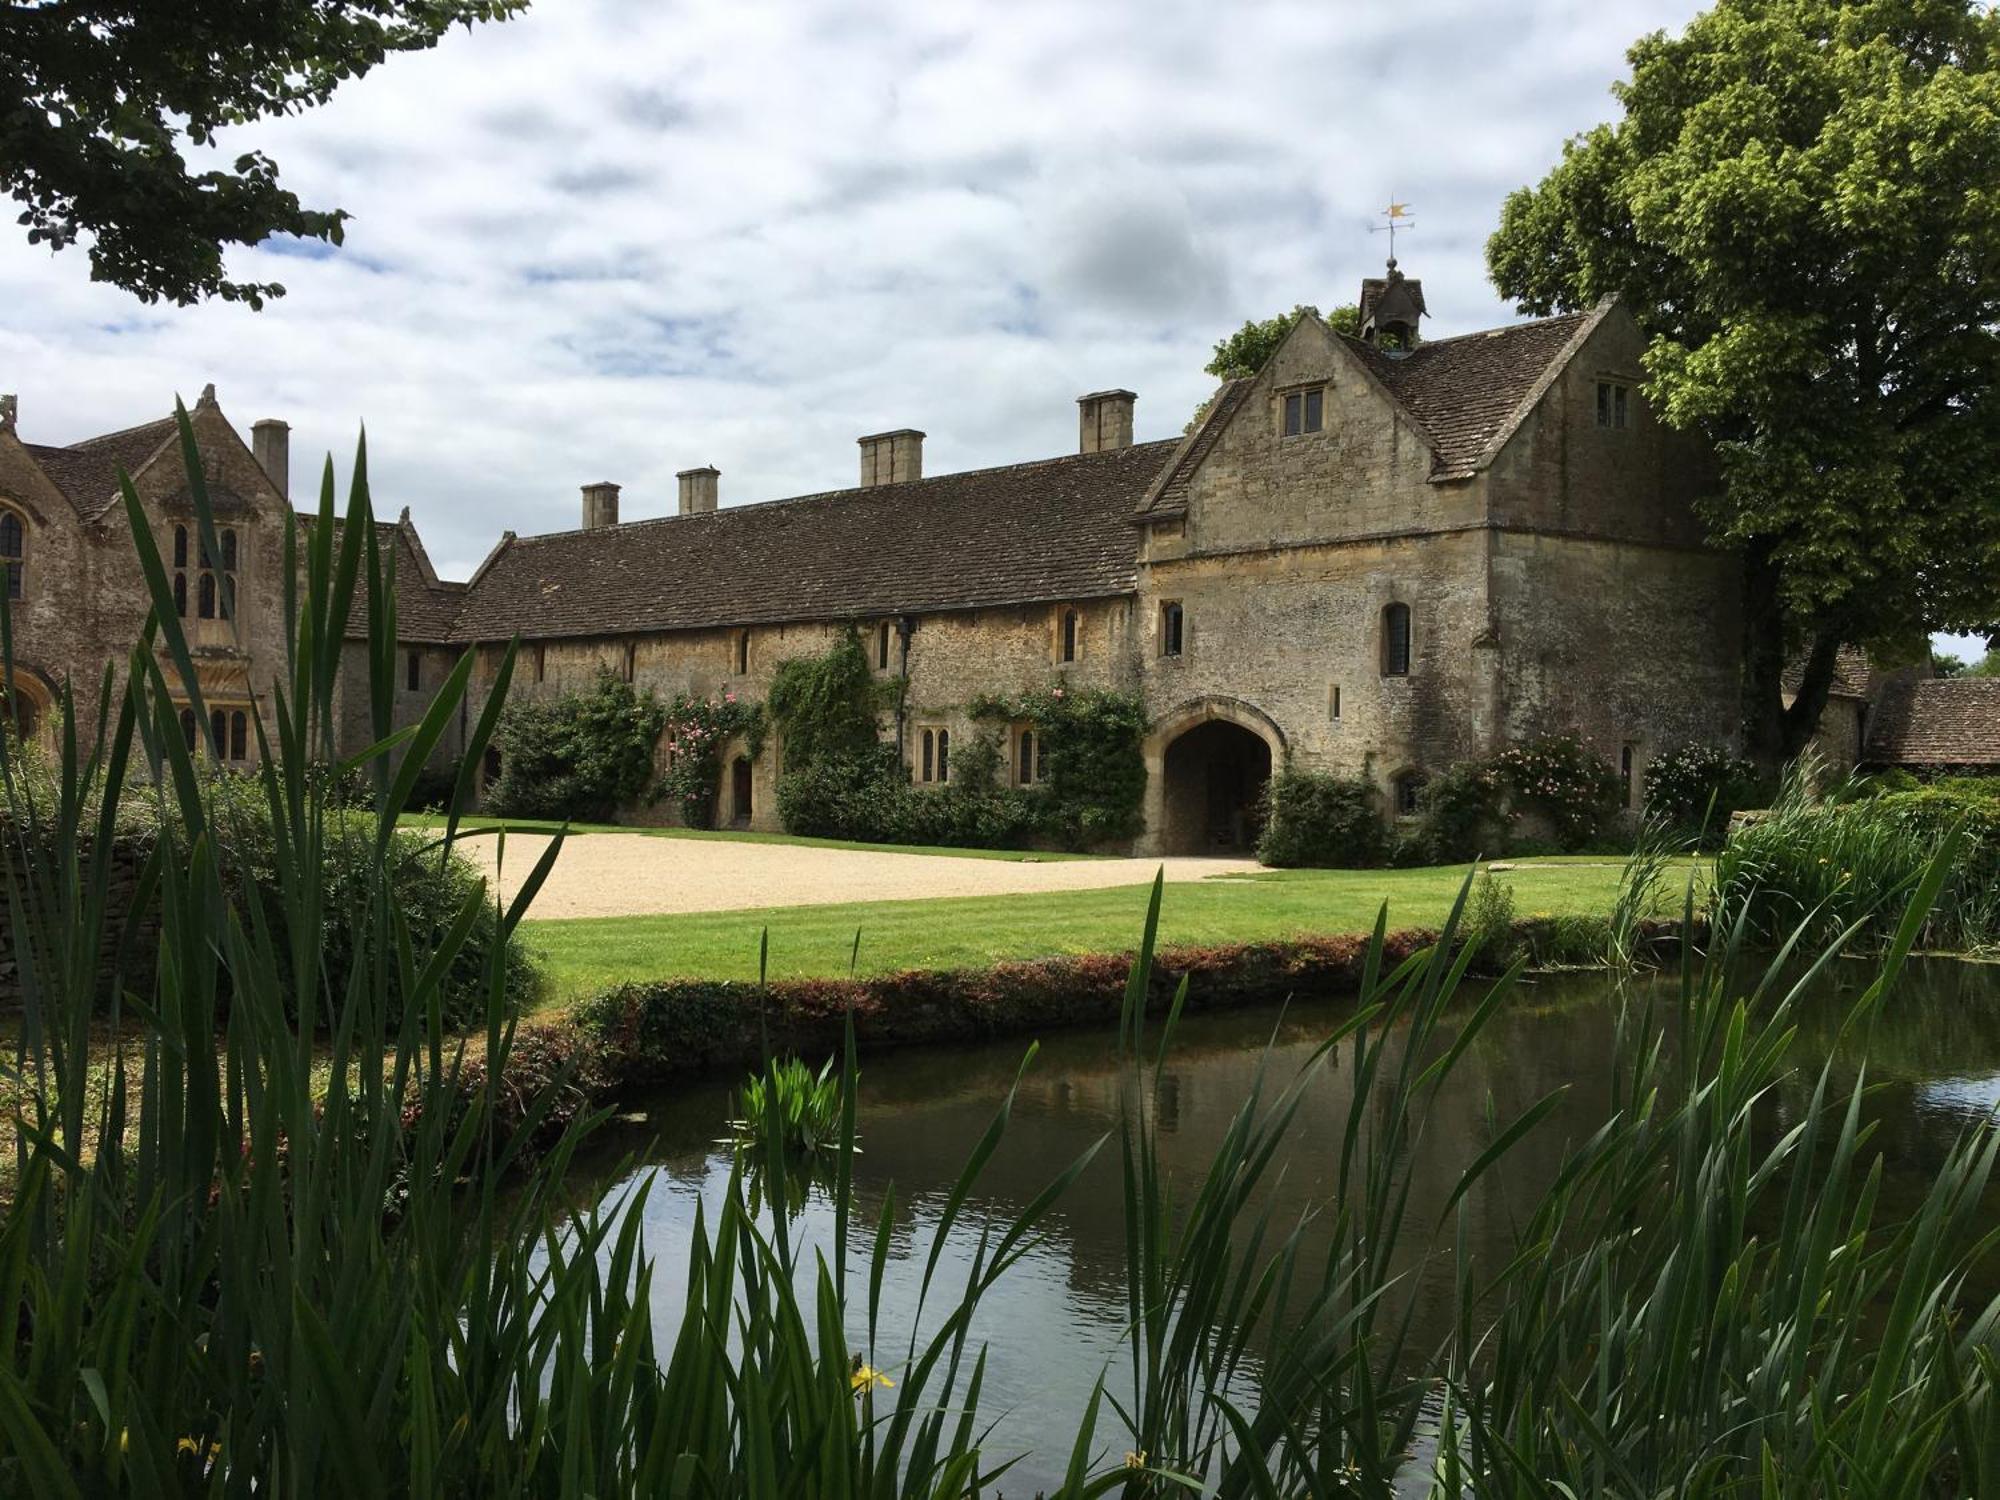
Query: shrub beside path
630,874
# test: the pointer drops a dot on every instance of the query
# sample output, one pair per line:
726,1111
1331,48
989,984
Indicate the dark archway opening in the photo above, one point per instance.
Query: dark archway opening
1214,782
739,792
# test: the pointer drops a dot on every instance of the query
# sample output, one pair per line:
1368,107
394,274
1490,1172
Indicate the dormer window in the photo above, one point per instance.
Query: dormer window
1614,404
1305,411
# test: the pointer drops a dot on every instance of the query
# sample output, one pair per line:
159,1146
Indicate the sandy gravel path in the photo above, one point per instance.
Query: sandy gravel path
630,874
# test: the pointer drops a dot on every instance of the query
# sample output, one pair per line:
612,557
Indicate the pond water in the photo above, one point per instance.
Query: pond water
1054,1322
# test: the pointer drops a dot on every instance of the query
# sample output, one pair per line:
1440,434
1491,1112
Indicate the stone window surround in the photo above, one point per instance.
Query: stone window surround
1069,634
215,587
934,755
1172,629
1404,789
229,720
1398,645
1028,758
1614,403
16,561
1301,408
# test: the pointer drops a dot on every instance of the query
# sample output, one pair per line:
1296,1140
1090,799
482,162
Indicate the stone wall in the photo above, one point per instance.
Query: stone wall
953,658
86,597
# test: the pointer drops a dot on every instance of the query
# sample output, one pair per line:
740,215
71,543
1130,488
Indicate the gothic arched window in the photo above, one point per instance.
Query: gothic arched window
13,551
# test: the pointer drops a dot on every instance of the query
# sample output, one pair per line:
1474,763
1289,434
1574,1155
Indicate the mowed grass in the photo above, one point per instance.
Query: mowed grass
587,954
482,824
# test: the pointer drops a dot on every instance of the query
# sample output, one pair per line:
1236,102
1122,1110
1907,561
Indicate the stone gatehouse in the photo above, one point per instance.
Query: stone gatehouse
1378,555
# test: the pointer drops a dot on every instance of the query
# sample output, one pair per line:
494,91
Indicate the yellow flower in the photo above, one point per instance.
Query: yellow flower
192,1447
866,1378
1135,1460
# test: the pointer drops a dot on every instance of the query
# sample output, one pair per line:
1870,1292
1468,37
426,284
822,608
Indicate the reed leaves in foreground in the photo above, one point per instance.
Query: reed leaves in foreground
290,1244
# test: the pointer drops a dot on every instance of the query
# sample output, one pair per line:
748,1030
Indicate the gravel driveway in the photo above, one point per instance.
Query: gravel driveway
632,874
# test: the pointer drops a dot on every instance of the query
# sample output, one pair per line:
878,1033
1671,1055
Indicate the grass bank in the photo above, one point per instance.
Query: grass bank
586,955
474,824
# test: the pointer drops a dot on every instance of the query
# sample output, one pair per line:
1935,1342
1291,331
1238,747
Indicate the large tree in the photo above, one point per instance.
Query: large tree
1243,353
99,97
1801,206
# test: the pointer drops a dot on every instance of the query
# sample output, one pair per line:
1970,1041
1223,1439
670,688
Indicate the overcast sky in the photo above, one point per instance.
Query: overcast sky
617,238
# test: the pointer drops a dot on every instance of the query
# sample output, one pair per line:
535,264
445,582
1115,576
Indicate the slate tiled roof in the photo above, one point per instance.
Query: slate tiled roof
426,608
1464,395
1023,534
1464,391
1167,495
1937,722
1853,674
87,472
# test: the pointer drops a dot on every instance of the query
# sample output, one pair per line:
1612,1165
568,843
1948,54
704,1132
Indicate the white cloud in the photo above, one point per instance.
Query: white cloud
616,237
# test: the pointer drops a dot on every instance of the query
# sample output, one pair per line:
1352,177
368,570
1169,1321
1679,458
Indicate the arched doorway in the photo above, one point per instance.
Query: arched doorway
1213,780
28,705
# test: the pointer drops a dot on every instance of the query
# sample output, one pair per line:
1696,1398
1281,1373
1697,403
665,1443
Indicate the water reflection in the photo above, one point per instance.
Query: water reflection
1054,1322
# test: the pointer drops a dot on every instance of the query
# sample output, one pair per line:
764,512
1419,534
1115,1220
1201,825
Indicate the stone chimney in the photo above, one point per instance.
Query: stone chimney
10,411
271,441
600,505
1104,421
698,489
892,457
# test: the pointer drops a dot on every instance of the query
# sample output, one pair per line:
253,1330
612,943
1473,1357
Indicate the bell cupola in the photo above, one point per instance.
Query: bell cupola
1390,308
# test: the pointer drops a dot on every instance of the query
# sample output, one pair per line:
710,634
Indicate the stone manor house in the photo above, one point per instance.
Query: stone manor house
1380,554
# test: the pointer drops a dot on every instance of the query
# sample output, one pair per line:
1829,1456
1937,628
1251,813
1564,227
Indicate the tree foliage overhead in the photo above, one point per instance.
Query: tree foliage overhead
99,100
1244,352
1801,205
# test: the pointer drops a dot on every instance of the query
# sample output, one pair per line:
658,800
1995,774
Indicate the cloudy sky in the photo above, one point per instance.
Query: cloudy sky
616,238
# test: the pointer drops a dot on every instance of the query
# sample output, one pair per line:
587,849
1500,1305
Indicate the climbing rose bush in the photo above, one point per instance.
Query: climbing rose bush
692,738
1682,785
1569,786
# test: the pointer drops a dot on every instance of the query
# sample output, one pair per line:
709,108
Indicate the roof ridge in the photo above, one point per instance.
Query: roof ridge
86,444
1486,333
626,527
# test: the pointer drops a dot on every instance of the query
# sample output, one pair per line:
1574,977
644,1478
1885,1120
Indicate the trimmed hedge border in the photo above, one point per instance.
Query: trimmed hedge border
645,1033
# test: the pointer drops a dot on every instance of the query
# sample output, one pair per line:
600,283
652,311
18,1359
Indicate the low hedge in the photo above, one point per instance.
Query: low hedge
640,1032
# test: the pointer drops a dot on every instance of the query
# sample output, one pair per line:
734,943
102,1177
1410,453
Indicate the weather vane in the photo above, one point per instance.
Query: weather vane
1398,216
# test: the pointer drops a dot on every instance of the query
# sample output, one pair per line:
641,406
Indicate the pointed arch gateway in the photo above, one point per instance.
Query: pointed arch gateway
1208,761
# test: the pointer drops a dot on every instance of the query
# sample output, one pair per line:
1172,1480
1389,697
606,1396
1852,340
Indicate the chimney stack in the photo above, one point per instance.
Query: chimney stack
271,442
1104,421
10,411
892,457
698,489
600,505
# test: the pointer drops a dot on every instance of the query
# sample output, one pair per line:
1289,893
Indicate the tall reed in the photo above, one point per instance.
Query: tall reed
290,1244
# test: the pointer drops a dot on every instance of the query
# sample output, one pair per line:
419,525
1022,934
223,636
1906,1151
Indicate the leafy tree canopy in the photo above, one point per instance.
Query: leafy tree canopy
100,98
1244,352
1801,206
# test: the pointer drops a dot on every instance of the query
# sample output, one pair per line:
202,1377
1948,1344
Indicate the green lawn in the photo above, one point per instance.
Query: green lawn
587,954
479,824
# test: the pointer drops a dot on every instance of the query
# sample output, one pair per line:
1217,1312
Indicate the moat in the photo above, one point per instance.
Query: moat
1055,1321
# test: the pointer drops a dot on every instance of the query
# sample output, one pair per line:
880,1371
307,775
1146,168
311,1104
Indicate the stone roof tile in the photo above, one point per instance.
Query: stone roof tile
1462,391
1952,721
1023,534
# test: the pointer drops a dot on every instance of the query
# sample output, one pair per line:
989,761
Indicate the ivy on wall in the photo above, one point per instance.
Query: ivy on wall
580,756
841,781
1095,782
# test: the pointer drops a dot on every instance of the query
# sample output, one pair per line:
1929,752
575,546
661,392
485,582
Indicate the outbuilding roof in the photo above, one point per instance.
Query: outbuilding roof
1945,721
